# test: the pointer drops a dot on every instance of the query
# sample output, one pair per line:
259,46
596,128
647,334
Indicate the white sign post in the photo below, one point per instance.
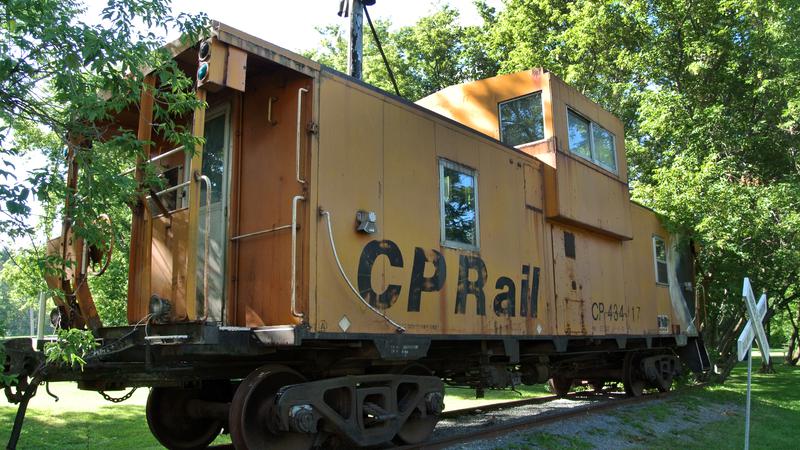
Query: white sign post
753,329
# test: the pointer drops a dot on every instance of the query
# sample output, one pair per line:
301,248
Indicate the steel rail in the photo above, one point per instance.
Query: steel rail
543,418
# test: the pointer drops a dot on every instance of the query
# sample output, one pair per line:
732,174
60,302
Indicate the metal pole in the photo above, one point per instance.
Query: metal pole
747,408
42,307
30,320
355,46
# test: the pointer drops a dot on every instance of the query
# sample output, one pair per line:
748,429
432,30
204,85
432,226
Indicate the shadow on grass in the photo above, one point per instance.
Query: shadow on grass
120,426
108,427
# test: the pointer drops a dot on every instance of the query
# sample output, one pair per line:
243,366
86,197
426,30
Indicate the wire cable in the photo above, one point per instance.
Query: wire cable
380,49
327,215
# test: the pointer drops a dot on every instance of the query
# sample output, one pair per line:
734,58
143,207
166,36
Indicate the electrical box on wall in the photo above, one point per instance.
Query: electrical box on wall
220,66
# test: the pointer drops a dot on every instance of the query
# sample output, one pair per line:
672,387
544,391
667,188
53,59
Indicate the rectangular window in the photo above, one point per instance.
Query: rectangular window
579,135
459,205
660,258
604,147
591,141
522,120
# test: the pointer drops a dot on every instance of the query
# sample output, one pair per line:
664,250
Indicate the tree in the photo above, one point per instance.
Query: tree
62,83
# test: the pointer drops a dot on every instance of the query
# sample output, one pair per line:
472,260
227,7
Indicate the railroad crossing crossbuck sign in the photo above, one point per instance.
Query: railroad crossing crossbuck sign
754,328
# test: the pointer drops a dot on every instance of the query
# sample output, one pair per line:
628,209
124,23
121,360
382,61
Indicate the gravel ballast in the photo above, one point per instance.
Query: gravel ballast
633,426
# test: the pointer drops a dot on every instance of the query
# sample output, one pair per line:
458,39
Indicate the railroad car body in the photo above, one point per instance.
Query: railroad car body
334,252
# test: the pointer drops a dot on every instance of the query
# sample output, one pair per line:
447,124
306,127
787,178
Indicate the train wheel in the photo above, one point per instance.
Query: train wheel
632,381
169,420
251,410
416,429
560,385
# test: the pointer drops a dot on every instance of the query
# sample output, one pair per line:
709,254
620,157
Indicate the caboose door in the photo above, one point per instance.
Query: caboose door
569,261
275,111
215,166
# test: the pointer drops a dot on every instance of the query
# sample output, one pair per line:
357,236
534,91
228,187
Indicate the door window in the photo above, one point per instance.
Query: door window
215,167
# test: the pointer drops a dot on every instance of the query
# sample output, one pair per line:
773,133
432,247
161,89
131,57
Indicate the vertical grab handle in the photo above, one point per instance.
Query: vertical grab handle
270,120
294,255
300,93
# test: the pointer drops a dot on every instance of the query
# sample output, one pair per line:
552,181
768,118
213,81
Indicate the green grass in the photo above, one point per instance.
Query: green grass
458,398
775,413
549,440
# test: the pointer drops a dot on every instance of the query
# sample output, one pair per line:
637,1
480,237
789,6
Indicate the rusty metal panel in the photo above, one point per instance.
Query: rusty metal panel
267,184
168,253
534,189
475,104
649,298
589,281
161,254
350,179
411,206
236,69
382,156
591,198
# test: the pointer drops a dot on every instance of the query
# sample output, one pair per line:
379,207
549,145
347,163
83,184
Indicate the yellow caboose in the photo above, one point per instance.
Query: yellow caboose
332,254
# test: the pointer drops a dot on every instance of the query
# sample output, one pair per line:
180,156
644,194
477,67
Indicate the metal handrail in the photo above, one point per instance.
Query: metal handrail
256,233
207,181
294,255
156,158
300,93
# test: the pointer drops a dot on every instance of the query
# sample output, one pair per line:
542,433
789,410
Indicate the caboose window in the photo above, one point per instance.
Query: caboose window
591,141
459,205
660,257
522,120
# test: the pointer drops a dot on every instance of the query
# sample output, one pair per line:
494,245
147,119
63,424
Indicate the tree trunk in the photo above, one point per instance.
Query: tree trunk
790,359
727,352
794,340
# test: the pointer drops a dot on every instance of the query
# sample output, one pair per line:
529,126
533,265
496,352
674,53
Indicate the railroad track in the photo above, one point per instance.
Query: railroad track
598,402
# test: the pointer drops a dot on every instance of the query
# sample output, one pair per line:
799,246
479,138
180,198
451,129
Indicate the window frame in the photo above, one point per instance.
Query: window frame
500,122
442,220
594,159
656,261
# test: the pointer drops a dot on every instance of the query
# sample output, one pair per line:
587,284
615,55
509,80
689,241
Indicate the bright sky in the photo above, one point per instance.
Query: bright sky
292,23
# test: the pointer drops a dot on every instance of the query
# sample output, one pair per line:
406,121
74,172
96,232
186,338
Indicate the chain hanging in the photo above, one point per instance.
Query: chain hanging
120,399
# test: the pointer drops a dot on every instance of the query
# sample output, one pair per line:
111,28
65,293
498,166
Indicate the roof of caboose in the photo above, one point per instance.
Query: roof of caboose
475,104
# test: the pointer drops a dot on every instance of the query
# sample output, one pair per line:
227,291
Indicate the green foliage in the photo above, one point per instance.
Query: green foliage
70,348
64,84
